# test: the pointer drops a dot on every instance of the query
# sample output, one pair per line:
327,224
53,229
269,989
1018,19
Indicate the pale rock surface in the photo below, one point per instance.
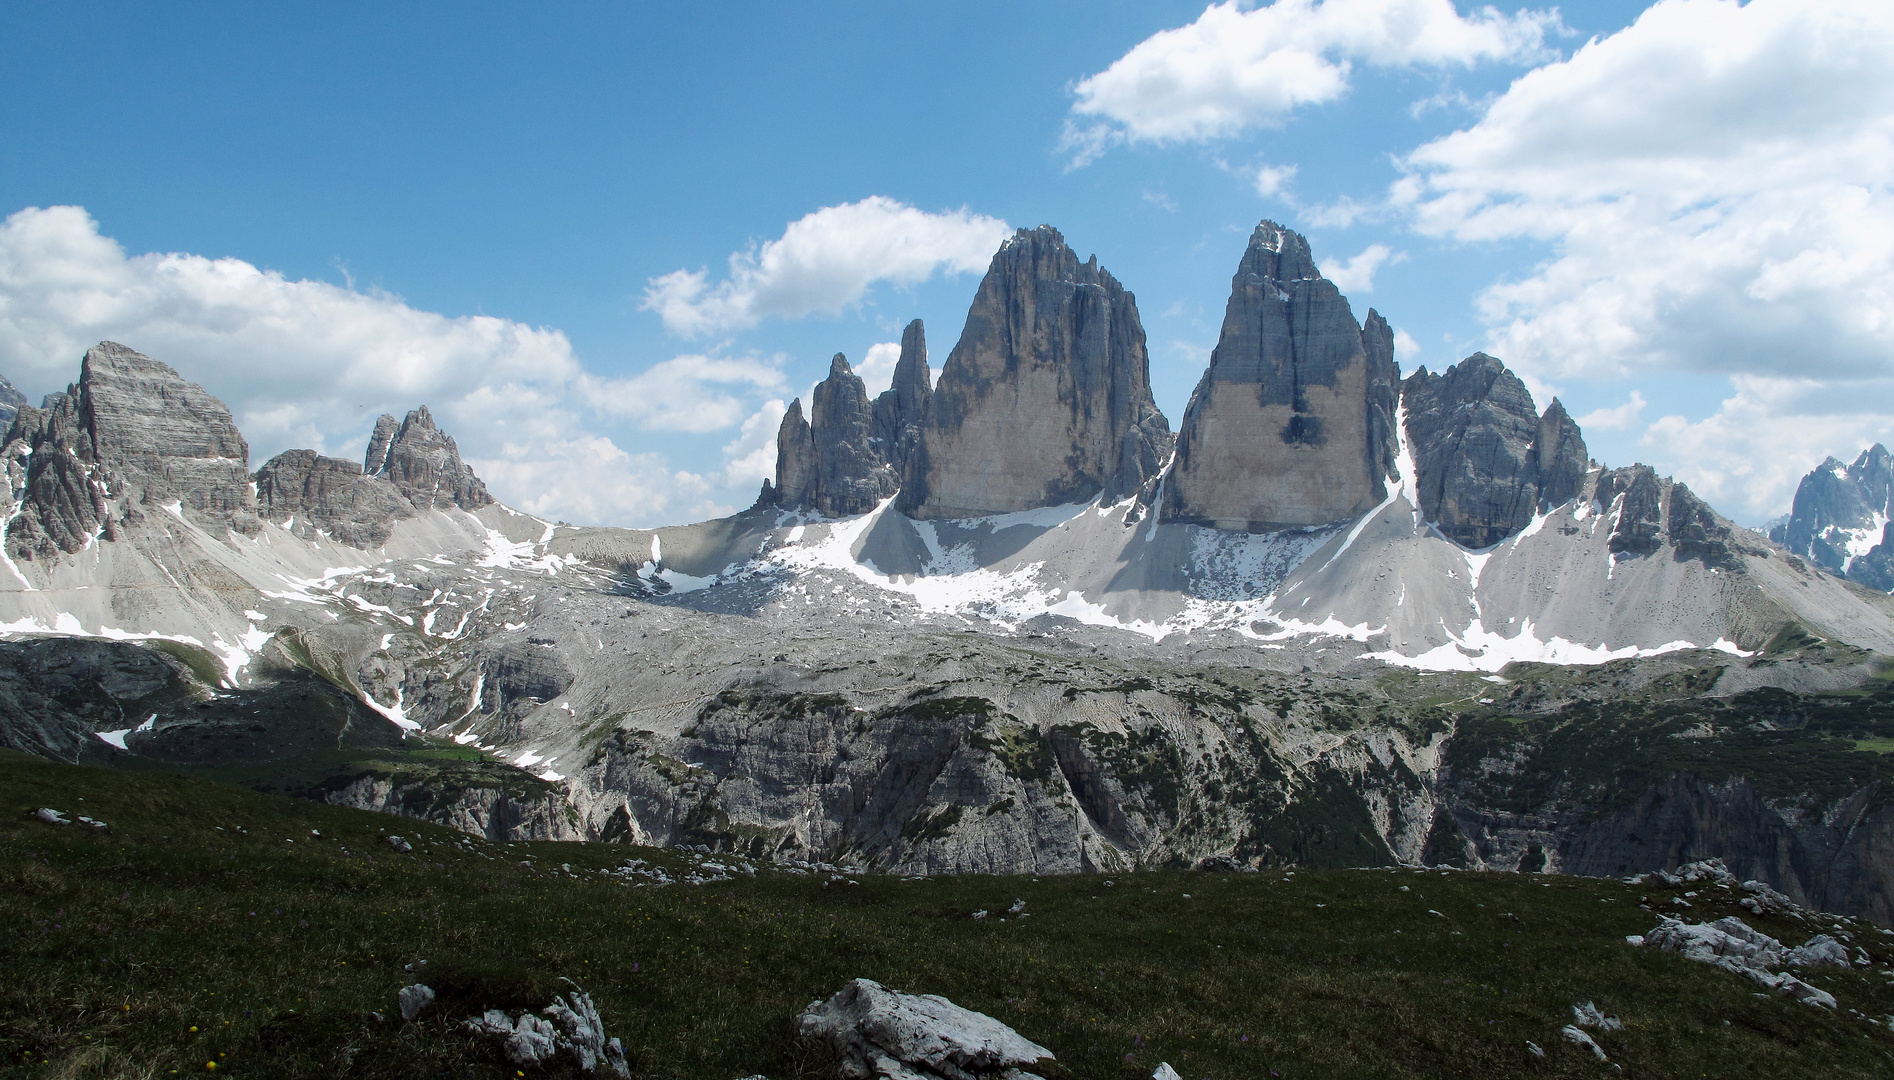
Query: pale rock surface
414,1000
886,1034
330,495
128,439
574,1030
1046,400
424,464
10,402
1818,951
1733,945
1293,422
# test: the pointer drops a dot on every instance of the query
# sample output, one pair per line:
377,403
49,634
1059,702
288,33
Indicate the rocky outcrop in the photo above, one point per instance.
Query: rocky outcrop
1840,515
1653,512
879,1032
329,495
900,409
423,464
1485,462
131,437
1046,400
835,463
10,402
1293,422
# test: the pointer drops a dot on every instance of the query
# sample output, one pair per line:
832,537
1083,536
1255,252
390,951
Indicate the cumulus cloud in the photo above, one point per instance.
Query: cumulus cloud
824,262
1405,347
1272,180
1748,456
1617,417
1357,274
877,366
311,364
1235,68
751,456
1713,180
687,393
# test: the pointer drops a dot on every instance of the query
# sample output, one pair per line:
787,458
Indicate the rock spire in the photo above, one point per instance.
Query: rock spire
1046,399
1293,422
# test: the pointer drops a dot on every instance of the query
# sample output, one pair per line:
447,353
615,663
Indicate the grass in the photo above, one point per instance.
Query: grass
194,930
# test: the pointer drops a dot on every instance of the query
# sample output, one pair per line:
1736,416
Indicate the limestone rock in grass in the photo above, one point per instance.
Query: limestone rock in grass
330,495
1818,951
574,1031
400,844
882,1033
1485,461
1164,1072
1733,945
51,816
423,463
900,409
1764,900
1293,422
1046,399
1587,1015
131,437
414,1000
1573,1034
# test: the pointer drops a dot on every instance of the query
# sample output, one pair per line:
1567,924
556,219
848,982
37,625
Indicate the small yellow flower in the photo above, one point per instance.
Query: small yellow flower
211,1065
193,1027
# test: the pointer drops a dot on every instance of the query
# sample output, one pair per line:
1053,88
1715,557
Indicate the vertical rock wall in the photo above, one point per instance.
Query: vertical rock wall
1046,399
1293,422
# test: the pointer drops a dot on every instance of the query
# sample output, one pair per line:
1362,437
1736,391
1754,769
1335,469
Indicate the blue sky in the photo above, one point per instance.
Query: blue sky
1682,228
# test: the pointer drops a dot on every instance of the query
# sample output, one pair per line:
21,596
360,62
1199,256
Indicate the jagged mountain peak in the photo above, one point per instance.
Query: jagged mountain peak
1276,253
1839,518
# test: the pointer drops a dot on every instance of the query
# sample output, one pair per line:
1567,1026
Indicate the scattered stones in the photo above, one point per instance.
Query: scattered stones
414,1000
575,1030
883,1033
1587,1015
400,845
1731,944
1818,951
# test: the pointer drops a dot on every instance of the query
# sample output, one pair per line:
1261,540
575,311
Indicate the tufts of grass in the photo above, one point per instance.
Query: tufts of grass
212,924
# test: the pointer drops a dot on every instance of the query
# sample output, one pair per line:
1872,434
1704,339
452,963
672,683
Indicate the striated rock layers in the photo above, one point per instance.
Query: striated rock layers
1484,461
411,468
1293,423
1046,399
848,455
1840,516
130,437
423,463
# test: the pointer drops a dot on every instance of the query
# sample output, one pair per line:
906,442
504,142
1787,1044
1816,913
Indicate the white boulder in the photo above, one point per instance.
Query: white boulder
894,1036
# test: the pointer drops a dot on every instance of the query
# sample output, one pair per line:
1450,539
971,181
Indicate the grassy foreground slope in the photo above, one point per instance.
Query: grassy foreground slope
209,924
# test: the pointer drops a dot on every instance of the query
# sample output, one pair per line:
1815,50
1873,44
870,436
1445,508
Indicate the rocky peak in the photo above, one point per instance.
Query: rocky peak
1652,512
10,402
1840,513
131,436
796,466
307,492
1293,422
1046,399
835,464
423,463
900,409
1485,460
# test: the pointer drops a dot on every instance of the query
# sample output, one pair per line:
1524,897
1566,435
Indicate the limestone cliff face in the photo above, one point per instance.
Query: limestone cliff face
1654,513
1046,399
795,463
1485,462
130,437
901,408
1293,423
11,401
330,495
423,464
1840,517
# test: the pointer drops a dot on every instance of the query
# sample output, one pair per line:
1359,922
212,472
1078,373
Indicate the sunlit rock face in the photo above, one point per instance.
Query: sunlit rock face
1293,423
1046,400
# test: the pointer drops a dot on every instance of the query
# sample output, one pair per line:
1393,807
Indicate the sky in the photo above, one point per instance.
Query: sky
607,244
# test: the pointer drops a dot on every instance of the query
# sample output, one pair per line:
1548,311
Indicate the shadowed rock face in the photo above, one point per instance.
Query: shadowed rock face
796,467
423,464
1485,463
852,472
1046,400
1293,423
130,437
1654,512
1840,516
331,495
901,408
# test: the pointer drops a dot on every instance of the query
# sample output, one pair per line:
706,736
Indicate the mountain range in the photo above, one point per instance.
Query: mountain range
1006,620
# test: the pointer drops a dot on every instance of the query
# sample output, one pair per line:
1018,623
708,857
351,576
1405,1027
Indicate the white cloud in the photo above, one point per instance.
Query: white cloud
1357,274
877,367
752,455
1235,69
1615,418
1713,180
1272,179
311,364
1405,347
687,393
824,262
1748,456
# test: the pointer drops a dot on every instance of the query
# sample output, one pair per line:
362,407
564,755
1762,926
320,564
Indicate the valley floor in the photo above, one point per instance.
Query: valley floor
204,924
